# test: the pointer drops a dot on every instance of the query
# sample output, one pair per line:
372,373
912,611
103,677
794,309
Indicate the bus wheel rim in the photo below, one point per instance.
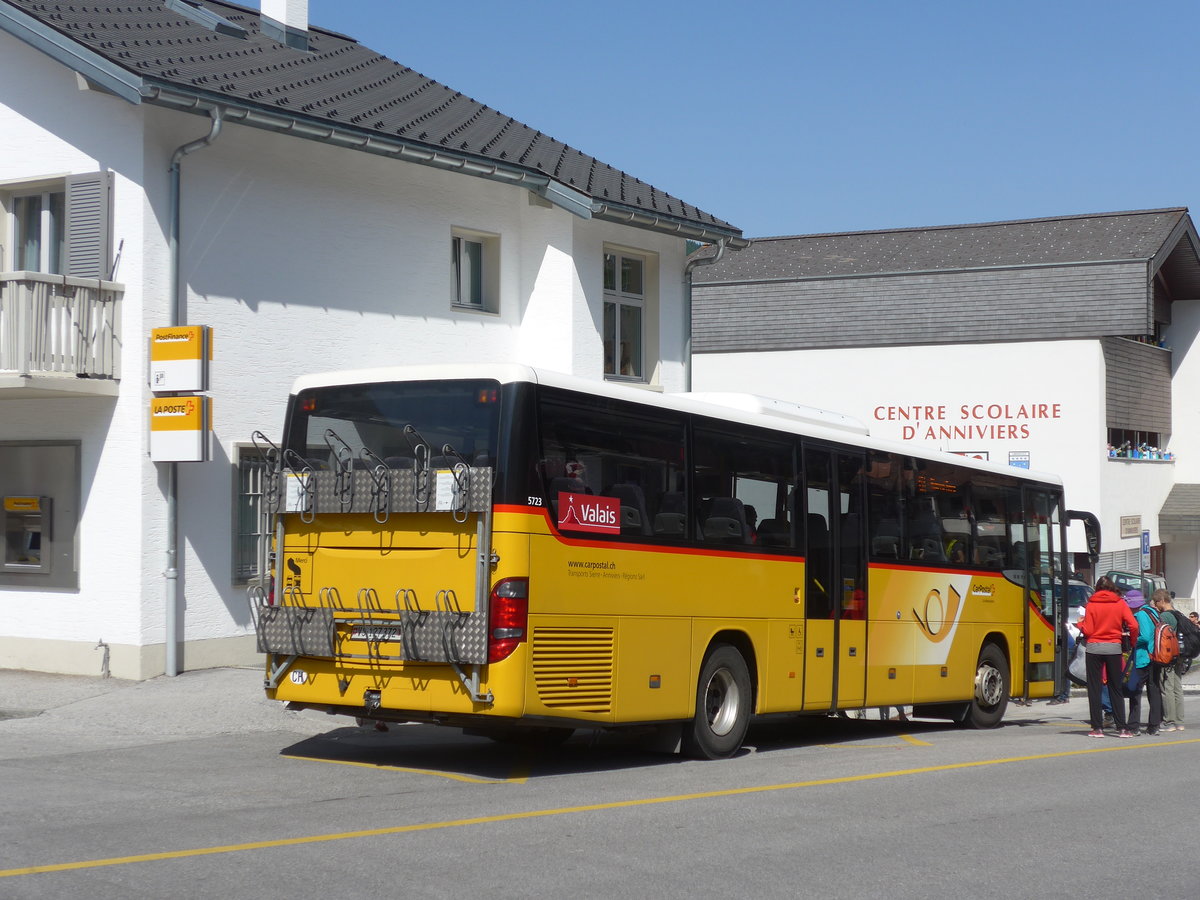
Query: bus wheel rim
721,702
989,685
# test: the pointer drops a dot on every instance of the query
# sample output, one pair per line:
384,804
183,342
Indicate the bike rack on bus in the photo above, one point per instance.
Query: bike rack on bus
289,630
343,469
381,484
366,484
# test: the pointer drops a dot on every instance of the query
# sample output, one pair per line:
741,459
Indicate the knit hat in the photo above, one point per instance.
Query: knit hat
1135,599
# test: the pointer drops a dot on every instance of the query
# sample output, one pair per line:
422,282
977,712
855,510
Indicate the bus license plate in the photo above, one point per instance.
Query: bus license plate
375,633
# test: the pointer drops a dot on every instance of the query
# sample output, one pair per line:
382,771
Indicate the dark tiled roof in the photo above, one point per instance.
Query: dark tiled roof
337,81
1052,241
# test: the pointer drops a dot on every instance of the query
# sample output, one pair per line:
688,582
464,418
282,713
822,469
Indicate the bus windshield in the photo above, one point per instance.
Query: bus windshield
459,415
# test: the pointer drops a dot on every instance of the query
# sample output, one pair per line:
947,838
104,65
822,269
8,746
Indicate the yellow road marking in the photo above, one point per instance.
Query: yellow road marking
567,810
917,742
451,775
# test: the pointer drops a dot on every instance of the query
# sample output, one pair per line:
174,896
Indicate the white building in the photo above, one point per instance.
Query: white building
335,209
1038,343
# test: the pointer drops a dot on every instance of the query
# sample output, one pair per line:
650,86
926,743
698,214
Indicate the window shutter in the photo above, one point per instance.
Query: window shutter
89,225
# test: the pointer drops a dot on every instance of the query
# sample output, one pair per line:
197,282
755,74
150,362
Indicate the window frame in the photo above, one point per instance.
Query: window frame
489,270
249,497
52,251
82,240
618,298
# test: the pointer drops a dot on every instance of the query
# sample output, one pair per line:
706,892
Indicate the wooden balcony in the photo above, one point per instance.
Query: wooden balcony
59,336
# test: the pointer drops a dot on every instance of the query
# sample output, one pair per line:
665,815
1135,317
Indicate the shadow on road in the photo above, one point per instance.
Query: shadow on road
449,752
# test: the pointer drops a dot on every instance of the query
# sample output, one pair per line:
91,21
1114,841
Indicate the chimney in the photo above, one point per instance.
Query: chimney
286,21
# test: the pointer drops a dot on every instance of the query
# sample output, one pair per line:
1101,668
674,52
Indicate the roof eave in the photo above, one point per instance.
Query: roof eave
664,224
573,201
95,68
1183,228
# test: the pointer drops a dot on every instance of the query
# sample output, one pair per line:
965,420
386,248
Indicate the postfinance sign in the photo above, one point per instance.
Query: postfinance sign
179,358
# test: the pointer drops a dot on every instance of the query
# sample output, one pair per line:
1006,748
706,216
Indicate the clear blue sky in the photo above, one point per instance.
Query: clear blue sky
806,116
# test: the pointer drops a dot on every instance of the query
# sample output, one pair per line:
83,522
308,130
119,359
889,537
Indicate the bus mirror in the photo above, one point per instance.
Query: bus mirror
1091,527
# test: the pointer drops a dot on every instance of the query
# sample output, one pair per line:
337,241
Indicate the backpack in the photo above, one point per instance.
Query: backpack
1189,636
1164,646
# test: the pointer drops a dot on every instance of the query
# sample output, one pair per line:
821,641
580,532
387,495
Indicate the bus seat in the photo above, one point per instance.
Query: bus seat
886,546
671,515
926,534
886,540
634,518
726,522
775,533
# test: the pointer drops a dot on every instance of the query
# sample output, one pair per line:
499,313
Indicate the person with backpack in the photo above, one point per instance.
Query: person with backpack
1101,627
1141,671
1189,646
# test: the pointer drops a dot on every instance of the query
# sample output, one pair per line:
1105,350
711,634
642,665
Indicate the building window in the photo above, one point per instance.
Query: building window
38,224
58,226
624,314
251,531
474,266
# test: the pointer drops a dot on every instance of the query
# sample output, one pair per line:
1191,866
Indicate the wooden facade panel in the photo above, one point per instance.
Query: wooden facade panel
1137,385
959,307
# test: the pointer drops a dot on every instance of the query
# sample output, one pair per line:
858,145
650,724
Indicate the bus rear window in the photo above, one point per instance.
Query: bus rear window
392,419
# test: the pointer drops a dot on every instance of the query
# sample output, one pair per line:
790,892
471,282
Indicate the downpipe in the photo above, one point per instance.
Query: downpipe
691,265
178,317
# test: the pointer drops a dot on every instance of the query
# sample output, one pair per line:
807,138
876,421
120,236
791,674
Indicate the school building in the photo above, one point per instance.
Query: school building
1063,344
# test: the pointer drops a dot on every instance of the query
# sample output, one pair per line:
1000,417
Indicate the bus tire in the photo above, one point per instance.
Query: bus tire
987,706
723,704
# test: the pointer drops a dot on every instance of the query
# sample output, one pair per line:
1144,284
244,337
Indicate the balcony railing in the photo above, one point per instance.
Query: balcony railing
57,325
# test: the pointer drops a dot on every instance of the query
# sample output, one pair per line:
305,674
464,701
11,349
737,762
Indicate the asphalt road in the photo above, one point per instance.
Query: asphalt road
197,786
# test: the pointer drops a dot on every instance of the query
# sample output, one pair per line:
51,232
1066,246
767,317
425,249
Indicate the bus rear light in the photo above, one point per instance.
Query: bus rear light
508,617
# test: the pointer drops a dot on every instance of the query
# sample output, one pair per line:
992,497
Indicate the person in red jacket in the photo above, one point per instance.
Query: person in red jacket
1104,619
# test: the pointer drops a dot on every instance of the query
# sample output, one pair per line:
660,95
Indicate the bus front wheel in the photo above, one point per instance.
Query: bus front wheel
987,706
723,701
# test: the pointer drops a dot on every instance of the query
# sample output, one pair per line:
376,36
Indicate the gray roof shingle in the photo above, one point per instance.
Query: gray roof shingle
337,81
1049,241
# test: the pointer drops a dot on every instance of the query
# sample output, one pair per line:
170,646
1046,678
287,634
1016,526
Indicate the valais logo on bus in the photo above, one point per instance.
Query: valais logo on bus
584,512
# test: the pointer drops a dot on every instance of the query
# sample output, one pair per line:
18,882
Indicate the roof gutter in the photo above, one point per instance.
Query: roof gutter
626,215
573,201
560,195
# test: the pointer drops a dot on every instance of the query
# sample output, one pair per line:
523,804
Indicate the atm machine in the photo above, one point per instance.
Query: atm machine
27,531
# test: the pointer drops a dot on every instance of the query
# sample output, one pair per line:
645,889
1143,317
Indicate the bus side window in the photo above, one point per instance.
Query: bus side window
883,477
592,446
743,477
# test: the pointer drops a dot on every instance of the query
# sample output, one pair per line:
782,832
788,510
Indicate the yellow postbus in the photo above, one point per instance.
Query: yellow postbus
521,553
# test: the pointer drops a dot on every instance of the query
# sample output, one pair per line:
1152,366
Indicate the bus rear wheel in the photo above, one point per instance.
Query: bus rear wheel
723,703
987,706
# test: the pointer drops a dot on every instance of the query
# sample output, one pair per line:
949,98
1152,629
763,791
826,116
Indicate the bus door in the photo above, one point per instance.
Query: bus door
1045,610
835,597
